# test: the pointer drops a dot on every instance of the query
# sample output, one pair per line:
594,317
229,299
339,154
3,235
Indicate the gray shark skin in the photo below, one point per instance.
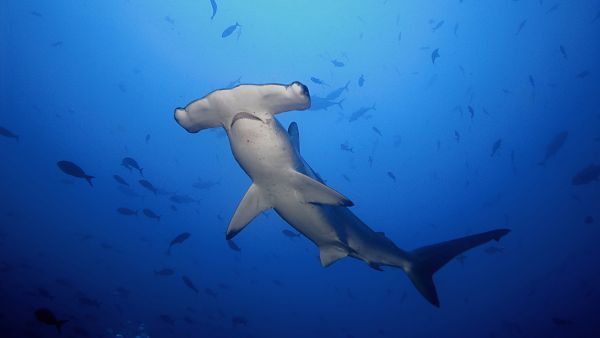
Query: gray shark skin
284,181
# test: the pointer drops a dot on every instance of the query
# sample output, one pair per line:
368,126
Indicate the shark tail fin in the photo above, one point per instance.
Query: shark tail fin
427,260
59,324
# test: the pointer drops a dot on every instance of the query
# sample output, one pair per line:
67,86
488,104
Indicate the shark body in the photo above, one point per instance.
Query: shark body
284,181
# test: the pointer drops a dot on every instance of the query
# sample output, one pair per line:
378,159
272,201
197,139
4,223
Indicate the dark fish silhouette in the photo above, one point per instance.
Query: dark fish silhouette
391,175
164,272
435,54
496,146
238,320
471,111
188,282
229,30
554,146
233,246
587,175
318,81
56,44
146,184
47,317
337,92
120,180
360,112
74,170
376,130
204,185
337,63
361,80
346,147
438,26
583,74
147,139
151,214
563,51
213,4
182,199
86,301
127,211
319,103
130,163
531,81
179,239
457,136
290,233
521,26
7,133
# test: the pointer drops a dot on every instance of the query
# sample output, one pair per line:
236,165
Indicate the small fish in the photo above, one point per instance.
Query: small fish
47,317
391,175
563,51
164,272
127,211
146,184
151,214
233,246
554,146
337,63
589,174
213,4
471,112
238,320
86,301
360,112
531,81
130,163
438,26
337,92
553,8
120,180
496,146
56,44
521,26
361,80
346,178
36,13
494,250
7,133
182,199
188,282
169,20
147,139
229,30
318,81
204,185
179,239
376,130
320,103
435,55
346,147
290,233
74,170
583,74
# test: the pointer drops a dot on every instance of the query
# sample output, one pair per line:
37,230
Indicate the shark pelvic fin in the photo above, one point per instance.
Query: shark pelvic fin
329,254
312,191
251,206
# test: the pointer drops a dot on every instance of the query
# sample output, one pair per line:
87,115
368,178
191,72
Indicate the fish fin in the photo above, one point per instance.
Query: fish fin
251,205
59,324
88,178
329,254
294,136
427,260
312,191
339,103
142,172
375,266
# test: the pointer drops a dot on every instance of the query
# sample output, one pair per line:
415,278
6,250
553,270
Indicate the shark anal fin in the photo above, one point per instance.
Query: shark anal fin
250,206
312,191
329,254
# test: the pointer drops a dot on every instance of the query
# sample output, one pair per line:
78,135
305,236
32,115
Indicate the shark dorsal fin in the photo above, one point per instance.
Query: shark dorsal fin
294,136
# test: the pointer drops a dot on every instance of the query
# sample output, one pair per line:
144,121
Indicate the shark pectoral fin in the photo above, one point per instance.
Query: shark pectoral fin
331,253
312,191
251,206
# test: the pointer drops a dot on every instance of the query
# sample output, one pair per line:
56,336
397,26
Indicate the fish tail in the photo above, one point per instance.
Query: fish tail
88,178
142,172
59,324
339,103
425,261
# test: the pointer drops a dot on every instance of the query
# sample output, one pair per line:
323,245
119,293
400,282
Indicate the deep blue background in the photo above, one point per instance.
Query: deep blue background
86,81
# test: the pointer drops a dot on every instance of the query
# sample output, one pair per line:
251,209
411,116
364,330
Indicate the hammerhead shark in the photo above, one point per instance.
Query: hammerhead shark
284,181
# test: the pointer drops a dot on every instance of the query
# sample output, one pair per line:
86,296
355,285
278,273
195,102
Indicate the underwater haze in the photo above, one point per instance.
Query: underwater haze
438,118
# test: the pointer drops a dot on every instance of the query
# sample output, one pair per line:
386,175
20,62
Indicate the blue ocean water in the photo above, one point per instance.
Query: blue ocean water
439,119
